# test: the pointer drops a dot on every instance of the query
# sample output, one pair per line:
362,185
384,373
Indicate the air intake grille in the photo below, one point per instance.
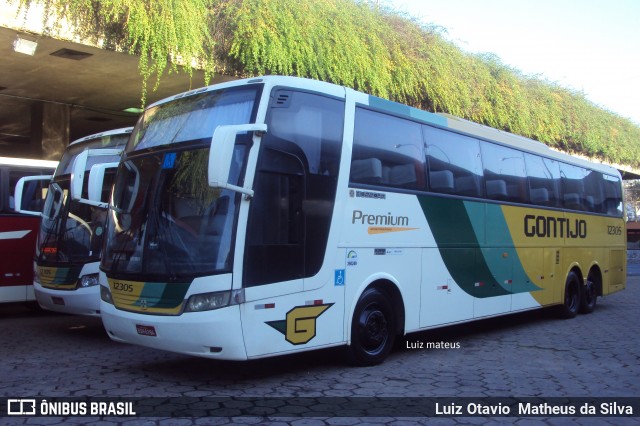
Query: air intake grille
75,55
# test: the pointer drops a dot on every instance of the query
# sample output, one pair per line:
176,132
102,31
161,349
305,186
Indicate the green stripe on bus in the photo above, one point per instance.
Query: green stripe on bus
496,222
458,227
163,295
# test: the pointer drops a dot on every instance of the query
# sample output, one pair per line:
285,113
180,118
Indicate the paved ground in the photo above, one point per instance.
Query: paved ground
525,355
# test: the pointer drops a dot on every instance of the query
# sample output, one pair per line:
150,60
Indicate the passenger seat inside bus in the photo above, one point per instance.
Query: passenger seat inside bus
468,185
404,174
497,189
539,196
572,201
368,170
441,180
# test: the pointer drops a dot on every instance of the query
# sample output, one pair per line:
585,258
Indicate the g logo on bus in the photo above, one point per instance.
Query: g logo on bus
300,325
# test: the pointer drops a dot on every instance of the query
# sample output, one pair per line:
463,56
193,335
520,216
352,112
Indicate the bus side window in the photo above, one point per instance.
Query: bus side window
594,192
573,187
454,163
504,173
387,151
613,196
544,180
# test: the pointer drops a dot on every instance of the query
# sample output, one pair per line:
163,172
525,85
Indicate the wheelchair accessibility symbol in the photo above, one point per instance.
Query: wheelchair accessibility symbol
339,278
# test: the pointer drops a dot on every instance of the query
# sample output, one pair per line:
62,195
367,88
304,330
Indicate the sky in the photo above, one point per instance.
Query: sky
592,46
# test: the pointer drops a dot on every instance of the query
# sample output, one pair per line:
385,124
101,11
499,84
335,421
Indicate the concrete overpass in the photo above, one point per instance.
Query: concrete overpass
68,88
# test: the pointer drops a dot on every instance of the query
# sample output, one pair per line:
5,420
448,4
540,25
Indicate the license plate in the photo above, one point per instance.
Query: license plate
146,330
58,301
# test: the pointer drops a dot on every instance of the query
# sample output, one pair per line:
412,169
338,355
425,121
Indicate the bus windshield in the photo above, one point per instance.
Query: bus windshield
192,118
165,220
71,231
66,228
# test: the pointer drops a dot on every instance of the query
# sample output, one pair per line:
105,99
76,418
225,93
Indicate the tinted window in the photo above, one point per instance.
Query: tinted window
573,187
544,180
454,163
504,173
295,188
593,192
612,195
310,126
387,150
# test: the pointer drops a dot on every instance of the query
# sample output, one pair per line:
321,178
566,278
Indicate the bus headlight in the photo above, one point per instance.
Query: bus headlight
88,281
105,295
216,300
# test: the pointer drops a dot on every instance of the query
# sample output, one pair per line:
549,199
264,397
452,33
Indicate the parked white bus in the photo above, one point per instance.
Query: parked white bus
72,227
274,215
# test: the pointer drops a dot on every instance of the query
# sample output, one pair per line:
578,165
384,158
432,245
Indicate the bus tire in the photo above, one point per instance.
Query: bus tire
372,329
589,297
572,298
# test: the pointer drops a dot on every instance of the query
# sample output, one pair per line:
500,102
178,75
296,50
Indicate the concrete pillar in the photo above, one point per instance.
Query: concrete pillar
49,130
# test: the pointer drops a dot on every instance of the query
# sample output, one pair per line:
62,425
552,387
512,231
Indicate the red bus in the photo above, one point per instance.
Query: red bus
18,230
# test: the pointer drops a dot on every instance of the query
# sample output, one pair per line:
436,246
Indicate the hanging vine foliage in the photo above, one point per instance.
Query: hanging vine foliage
333,40
358,44
386,54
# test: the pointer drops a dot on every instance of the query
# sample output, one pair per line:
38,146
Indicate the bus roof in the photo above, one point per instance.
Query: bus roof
120,131
442,120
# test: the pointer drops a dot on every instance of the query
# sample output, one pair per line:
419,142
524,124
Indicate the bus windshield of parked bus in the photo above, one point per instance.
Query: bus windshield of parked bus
71,231
192,118
165,219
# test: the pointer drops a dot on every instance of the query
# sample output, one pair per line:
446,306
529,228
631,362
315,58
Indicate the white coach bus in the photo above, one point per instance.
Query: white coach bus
69,243
274,215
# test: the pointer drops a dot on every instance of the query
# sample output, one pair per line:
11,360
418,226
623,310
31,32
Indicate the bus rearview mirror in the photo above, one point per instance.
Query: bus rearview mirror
78,175
25,192
221,155
96,183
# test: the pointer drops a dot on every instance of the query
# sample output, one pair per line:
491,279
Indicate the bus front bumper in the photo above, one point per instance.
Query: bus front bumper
82,301
209,334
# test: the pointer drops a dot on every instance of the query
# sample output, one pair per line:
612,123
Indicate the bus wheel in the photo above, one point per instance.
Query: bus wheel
571,296
372,329
589,297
